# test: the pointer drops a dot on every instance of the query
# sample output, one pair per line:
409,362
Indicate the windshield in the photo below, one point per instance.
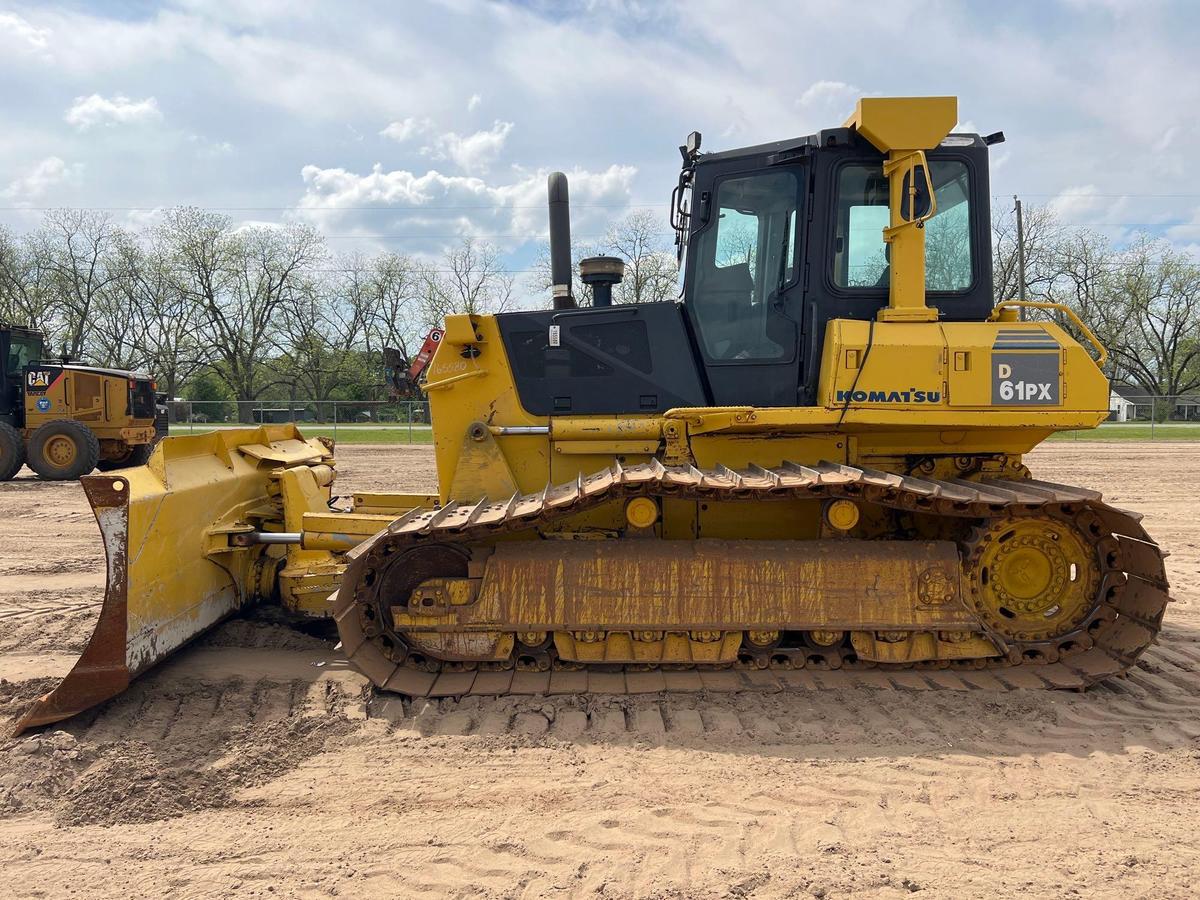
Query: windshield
743,259
22,350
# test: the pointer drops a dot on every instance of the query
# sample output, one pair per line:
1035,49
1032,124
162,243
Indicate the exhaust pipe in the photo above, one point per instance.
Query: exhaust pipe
560,240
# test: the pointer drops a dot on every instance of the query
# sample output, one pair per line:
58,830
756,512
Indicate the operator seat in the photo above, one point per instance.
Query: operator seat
724,304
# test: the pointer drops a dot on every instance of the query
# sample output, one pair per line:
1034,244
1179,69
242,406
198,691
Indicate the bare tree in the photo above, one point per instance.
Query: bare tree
322,330
470,279
1042,236
114,324
651,267
389,291
1076,271
165,316
26,295
76,249
1151,316
241,281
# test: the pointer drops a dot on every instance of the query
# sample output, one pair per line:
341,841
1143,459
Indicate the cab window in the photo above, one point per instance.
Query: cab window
744,258
22,350
860,258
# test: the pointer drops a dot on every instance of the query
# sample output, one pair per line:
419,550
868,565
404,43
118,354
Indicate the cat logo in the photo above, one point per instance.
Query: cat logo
38,379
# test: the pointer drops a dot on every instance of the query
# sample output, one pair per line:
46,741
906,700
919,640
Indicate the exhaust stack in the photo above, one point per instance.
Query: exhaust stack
560,240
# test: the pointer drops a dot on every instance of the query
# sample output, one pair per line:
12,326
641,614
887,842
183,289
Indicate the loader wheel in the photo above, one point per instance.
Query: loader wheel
63,450
134,455
12,451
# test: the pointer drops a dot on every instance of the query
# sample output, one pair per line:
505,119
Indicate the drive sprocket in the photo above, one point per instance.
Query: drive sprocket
1034,577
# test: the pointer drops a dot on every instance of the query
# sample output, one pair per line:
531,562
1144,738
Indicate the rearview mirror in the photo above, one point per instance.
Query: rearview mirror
922,202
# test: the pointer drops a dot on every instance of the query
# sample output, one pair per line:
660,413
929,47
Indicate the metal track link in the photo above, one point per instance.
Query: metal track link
1125,621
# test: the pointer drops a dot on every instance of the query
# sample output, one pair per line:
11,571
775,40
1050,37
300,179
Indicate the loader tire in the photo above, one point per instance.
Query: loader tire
12,451
63,450
134,455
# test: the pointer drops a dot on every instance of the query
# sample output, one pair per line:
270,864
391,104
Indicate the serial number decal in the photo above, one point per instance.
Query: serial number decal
912,395
1026,379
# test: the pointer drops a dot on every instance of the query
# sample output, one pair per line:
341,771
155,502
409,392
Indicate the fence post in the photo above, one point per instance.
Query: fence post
335,418
409,414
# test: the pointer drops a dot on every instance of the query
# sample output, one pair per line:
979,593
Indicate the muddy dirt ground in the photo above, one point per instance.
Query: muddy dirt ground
244,768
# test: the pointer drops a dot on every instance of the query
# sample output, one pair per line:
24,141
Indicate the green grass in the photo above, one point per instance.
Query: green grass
343,434
1134,431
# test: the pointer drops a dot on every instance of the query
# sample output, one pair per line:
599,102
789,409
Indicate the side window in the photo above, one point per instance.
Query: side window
743,259
860,258
20,354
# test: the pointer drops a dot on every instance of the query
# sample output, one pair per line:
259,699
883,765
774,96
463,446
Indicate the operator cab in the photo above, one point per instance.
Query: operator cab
759,290
774,240
19,347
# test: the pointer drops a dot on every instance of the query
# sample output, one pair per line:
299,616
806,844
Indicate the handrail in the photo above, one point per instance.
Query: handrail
452,380
1101,353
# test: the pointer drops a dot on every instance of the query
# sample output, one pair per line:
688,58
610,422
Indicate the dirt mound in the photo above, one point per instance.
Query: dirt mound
259,631
36,771
15,696
136,782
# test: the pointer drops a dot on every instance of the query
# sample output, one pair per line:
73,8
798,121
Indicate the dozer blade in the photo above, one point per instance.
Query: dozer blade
170,531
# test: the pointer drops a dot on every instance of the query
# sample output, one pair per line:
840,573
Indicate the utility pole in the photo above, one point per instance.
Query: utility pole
1020,254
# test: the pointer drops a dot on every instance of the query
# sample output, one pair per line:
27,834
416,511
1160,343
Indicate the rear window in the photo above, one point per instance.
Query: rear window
860,258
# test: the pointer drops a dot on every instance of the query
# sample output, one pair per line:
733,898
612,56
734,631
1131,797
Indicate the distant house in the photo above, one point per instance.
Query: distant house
1124,400
1127,403
1119,409
1187,407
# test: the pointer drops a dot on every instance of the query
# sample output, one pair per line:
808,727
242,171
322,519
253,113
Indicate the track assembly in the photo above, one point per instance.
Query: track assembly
1057,582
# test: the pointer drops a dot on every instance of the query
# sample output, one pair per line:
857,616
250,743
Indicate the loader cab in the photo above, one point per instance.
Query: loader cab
19,347
778,239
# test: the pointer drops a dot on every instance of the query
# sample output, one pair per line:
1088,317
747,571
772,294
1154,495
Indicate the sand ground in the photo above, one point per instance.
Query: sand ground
243,768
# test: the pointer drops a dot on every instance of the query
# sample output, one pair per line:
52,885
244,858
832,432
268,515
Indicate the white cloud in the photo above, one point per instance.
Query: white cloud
435,209
1079,203
41,178
824,94
207,148
1168,136
291,87
473,153
406,129
88,112
22,35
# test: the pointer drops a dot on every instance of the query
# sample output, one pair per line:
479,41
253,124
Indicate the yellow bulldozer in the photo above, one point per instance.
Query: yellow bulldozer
813,461
65,419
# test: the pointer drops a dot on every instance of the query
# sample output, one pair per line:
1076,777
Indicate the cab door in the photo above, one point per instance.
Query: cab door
743,284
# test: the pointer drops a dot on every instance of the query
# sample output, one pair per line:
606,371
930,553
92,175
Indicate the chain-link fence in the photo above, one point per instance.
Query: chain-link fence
1139,416
362,421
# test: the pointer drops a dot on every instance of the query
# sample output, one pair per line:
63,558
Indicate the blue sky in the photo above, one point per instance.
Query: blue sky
421,121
